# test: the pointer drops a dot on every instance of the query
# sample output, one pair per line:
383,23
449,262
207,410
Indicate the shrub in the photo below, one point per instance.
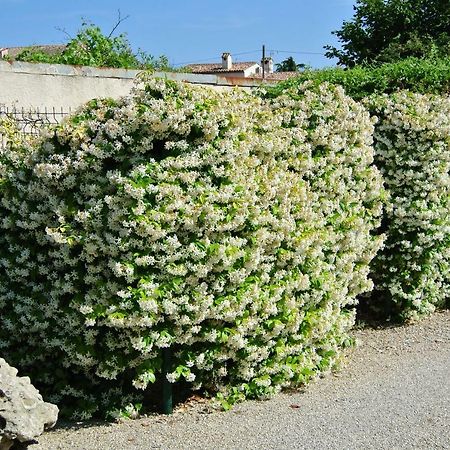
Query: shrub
233,229
415,74
412,147
412,151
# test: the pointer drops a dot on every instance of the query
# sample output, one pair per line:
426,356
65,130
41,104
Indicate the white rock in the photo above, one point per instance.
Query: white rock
23,413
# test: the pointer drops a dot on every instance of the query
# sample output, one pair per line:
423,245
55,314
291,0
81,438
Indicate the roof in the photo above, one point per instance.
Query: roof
12,52
217,67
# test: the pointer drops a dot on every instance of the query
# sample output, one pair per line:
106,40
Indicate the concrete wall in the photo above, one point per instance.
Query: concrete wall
30,85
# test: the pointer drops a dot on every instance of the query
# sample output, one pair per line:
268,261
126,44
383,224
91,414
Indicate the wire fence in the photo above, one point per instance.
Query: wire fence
29,122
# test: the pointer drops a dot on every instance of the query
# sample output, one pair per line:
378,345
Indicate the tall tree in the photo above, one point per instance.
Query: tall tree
389,30
289,65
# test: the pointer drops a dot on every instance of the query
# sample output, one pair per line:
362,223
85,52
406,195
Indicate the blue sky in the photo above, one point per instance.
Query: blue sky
188,30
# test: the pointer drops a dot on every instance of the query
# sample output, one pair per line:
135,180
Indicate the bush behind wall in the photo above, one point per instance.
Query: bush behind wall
421,75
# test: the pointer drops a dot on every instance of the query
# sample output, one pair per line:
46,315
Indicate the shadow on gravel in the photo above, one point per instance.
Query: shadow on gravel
368,320
384,313
183,398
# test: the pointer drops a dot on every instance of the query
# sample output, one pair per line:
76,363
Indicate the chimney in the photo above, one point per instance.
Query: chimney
268,64
226,61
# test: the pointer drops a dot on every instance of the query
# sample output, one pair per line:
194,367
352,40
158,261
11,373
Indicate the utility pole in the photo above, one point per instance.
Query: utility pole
264,61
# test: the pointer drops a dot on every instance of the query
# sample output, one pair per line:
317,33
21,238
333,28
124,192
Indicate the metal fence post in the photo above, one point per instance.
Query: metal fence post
167,387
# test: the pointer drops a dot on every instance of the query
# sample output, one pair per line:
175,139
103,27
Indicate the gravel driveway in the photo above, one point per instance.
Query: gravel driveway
393,394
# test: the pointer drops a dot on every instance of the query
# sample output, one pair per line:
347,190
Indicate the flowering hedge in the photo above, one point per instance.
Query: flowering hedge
412,147
233,229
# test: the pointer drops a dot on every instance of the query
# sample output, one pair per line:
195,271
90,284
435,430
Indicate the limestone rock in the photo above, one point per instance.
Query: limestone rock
23,413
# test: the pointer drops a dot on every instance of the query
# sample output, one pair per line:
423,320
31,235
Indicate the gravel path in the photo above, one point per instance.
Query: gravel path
393,394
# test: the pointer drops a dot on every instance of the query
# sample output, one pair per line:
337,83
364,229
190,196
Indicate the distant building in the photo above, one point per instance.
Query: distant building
227,67
12,52
248,69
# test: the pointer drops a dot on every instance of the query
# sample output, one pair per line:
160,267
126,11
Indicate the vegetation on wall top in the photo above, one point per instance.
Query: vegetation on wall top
91,47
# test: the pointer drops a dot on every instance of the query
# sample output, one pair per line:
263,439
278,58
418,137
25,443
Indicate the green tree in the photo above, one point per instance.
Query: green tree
91,47
389,30
289,65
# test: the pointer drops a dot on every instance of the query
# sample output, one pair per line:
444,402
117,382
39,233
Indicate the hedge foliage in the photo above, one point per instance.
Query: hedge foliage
236,230
415,74
412,148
